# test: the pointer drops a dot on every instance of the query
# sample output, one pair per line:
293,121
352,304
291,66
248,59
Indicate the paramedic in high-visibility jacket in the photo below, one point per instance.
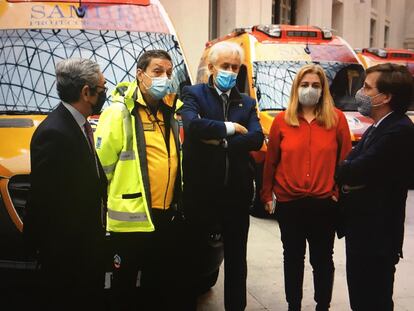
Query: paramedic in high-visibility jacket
137,141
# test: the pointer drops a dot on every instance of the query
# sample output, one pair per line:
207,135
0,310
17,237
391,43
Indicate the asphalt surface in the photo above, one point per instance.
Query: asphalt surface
265,286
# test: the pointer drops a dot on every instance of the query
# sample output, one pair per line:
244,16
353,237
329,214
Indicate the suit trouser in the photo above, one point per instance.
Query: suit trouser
235,233
72,275
311,220
224,214
370,278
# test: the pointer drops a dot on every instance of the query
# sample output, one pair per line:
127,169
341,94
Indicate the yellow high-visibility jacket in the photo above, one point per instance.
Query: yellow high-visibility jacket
121,147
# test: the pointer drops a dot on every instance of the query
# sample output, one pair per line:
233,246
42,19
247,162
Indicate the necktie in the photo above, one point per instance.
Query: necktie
225,98
89,135
91,141
368,137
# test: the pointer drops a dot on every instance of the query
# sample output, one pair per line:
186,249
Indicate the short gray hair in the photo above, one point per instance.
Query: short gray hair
72,75
224,46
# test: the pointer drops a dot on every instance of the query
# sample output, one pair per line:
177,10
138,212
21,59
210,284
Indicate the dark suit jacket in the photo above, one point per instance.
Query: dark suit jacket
64,218
374,215
205,166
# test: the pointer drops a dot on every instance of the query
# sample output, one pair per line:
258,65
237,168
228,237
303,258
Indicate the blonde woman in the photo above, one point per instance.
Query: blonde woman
306,142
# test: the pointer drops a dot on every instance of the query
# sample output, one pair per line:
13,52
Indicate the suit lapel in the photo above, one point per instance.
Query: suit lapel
382,127
75,131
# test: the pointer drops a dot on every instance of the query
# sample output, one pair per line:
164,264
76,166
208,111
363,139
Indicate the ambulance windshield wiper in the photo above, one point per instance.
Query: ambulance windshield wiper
23,112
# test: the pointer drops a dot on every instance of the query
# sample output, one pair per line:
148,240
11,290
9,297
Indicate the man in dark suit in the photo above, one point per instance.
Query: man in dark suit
375,178
65,211
221,126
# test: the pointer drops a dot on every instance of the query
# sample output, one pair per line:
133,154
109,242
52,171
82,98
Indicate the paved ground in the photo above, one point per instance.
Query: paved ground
265,277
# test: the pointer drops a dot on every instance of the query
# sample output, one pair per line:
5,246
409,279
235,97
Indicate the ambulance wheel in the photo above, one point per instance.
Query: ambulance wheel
207,282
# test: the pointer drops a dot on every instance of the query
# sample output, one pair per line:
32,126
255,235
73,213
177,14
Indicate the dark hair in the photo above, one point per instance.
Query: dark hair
145,59
395,80
72,75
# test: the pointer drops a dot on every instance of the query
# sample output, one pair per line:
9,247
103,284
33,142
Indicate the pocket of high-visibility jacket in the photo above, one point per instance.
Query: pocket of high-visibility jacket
132,195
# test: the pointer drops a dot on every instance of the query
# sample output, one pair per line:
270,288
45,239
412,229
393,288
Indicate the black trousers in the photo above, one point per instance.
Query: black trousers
71,274
235,233
311,220
223,212
370,278
147,272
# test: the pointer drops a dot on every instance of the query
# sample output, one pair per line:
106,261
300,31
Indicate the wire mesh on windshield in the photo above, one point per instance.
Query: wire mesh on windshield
28,59
273,80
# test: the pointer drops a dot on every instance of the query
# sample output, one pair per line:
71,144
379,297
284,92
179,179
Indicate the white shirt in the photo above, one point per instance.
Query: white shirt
380,120
230,128
79,118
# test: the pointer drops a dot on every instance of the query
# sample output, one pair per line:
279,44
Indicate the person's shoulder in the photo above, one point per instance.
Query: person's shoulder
397,126
405,123
198,92
54,120
279,121
196,88
340,116
247,99
397,120
52,126
280,116
339,112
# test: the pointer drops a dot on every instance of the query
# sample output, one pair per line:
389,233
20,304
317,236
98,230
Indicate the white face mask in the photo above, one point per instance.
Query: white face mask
309,96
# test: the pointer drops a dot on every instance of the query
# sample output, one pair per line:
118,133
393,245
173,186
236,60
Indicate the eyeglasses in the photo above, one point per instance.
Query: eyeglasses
102,87
367,87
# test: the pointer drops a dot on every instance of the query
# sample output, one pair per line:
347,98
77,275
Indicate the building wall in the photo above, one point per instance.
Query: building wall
348,18
314,12
351,19
356,23
249,13
409,25
191,22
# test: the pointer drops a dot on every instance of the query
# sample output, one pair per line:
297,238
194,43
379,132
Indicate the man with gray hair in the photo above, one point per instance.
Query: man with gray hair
221,128
64,224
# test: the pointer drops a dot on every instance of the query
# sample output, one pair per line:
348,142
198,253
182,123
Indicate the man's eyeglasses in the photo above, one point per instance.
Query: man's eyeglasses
368,87
101,87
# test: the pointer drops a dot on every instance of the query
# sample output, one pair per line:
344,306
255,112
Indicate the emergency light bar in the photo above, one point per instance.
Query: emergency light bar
131,2
270,30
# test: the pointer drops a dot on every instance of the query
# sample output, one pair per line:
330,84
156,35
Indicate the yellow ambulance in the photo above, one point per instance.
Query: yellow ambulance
34,36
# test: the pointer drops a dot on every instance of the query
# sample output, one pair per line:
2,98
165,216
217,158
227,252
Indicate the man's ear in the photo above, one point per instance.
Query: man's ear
388,98
86,91
138,75
210,68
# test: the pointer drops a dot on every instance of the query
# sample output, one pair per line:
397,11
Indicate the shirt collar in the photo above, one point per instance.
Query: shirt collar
221,92
79,118
380,120
140,99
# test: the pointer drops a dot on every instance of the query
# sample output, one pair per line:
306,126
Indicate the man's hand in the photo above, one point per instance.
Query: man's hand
269,207
214,142
239,128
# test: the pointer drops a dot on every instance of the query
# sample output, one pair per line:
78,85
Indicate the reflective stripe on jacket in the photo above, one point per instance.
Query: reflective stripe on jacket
121,147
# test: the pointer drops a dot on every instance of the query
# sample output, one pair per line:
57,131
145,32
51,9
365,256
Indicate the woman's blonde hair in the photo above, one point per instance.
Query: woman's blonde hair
324,110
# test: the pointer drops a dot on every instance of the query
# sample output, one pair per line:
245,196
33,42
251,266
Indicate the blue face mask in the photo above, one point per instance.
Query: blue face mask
225,80
160,87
